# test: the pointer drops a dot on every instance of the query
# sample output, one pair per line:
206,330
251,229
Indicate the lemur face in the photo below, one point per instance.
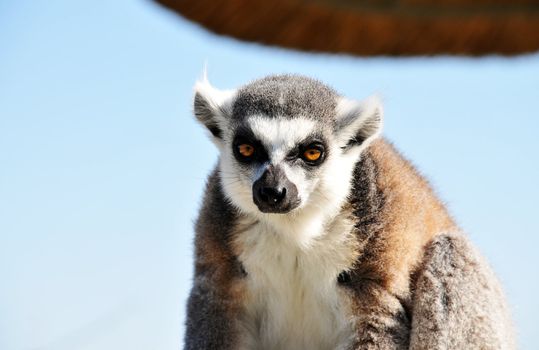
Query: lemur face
288,144
276,162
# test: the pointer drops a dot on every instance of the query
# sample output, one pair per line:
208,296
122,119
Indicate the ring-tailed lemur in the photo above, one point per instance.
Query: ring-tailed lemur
315,233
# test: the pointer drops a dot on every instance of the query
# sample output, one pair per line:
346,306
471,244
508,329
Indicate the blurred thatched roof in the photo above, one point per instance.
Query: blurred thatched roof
374,27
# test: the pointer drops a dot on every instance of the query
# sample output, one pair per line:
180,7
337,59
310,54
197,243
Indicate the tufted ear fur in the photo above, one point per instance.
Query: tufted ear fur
213,108
358,122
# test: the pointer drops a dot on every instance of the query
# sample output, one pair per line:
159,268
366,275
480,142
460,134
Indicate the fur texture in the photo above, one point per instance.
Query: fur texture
369,259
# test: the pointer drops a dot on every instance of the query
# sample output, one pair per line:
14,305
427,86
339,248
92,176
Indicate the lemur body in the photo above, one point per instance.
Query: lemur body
351,250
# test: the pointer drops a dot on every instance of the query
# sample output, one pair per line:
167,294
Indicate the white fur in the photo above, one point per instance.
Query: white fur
280,135
293,300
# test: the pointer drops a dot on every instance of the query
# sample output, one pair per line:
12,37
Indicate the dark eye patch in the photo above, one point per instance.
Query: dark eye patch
246,136
316,142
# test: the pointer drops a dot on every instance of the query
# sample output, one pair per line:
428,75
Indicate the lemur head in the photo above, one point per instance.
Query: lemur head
288,143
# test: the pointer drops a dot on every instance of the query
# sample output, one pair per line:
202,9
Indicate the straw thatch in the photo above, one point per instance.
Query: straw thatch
374,27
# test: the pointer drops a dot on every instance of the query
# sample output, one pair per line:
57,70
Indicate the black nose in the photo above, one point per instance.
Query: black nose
272,195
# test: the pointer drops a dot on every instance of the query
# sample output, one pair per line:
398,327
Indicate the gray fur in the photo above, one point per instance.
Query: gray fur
458,302
208,326
286,96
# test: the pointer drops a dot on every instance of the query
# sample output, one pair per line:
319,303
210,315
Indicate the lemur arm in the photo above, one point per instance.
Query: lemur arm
381,320
210,323
213,305
458,303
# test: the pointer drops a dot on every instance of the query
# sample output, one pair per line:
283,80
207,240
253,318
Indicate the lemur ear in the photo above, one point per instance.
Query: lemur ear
213,107
358,122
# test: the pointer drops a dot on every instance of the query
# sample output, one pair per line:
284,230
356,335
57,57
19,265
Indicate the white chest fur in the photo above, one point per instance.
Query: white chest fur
293,300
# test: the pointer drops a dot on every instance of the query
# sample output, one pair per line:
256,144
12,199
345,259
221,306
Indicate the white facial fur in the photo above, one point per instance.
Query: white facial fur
321,196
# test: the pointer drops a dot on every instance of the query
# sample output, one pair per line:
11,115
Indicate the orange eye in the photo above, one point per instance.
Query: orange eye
246,150
312,154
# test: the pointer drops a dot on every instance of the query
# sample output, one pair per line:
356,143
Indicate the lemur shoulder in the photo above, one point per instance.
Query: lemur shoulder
315,233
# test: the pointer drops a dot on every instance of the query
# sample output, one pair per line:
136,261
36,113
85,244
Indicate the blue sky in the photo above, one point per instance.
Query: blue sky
102,165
